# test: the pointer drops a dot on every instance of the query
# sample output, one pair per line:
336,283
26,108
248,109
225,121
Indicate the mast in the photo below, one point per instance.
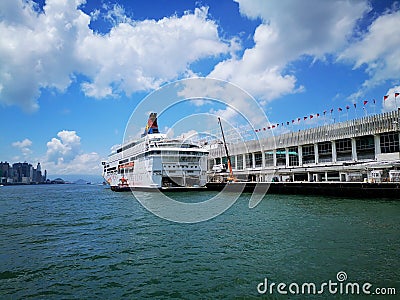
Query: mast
231,177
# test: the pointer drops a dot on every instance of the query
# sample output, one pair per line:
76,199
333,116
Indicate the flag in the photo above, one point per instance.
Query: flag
355,105
273,126
339,109
347,107
385,97
277,125
298,119
282,124
292,121
396,94
305,118
287,123
365,102
317,115
331,110
324,112
311,116
374,101
264,128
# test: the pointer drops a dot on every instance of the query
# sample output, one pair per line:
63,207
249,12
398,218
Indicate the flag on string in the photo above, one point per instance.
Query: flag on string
317,115
355,105
298,119
264,128
324,112
374,101
287,123
305,118
396,94
273,126
269,127
385,97
365,102
292,121
347,107
339,109
331,110
311,116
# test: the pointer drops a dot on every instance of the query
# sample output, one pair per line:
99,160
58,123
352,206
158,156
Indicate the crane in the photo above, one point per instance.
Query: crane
231,177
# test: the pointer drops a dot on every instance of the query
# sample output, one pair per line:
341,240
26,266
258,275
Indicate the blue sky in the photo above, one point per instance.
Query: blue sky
72,72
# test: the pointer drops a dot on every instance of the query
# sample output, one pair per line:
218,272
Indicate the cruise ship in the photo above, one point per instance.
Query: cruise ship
156,162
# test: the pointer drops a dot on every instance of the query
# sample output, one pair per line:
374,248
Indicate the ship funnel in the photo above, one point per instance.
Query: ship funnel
151,126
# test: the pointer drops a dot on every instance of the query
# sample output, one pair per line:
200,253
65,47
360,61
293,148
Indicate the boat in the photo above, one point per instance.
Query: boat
156,162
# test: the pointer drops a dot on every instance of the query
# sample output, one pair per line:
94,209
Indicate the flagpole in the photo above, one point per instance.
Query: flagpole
355,110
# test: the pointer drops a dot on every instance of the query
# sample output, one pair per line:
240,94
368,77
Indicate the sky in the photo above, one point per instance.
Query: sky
72,71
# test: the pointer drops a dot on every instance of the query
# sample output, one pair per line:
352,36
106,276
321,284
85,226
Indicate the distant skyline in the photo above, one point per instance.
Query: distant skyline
72,72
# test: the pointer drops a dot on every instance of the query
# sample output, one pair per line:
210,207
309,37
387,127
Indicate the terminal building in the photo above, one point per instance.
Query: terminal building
361,150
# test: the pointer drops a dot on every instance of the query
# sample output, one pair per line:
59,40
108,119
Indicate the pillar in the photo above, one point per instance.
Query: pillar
253,160
316,153
334,153
287,156
275,163
353,149
300,153
377,142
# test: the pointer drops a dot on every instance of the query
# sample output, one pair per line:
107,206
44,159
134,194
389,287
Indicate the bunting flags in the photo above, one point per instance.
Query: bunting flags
311,116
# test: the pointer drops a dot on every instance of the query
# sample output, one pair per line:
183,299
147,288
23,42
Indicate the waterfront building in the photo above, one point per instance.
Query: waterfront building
21,173
365,149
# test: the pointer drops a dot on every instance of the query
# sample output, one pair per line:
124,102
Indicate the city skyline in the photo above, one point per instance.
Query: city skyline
72,72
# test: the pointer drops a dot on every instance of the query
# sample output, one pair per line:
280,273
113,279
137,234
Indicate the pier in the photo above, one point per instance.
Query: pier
360,150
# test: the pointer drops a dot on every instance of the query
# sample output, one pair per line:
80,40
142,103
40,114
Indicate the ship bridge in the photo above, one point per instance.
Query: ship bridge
354,150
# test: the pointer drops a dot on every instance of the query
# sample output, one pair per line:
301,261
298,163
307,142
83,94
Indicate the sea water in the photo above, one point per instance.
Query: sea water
87,242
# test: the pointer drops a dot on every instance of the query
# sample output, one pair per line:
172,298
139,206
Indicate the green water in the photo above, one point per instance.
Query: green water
86,242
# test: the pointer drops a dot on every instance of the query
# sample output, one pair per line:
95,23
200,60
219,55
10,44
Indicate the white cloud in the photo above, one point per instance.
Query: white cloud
24,146
57,43
289,31
392,102
64,156
378,50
